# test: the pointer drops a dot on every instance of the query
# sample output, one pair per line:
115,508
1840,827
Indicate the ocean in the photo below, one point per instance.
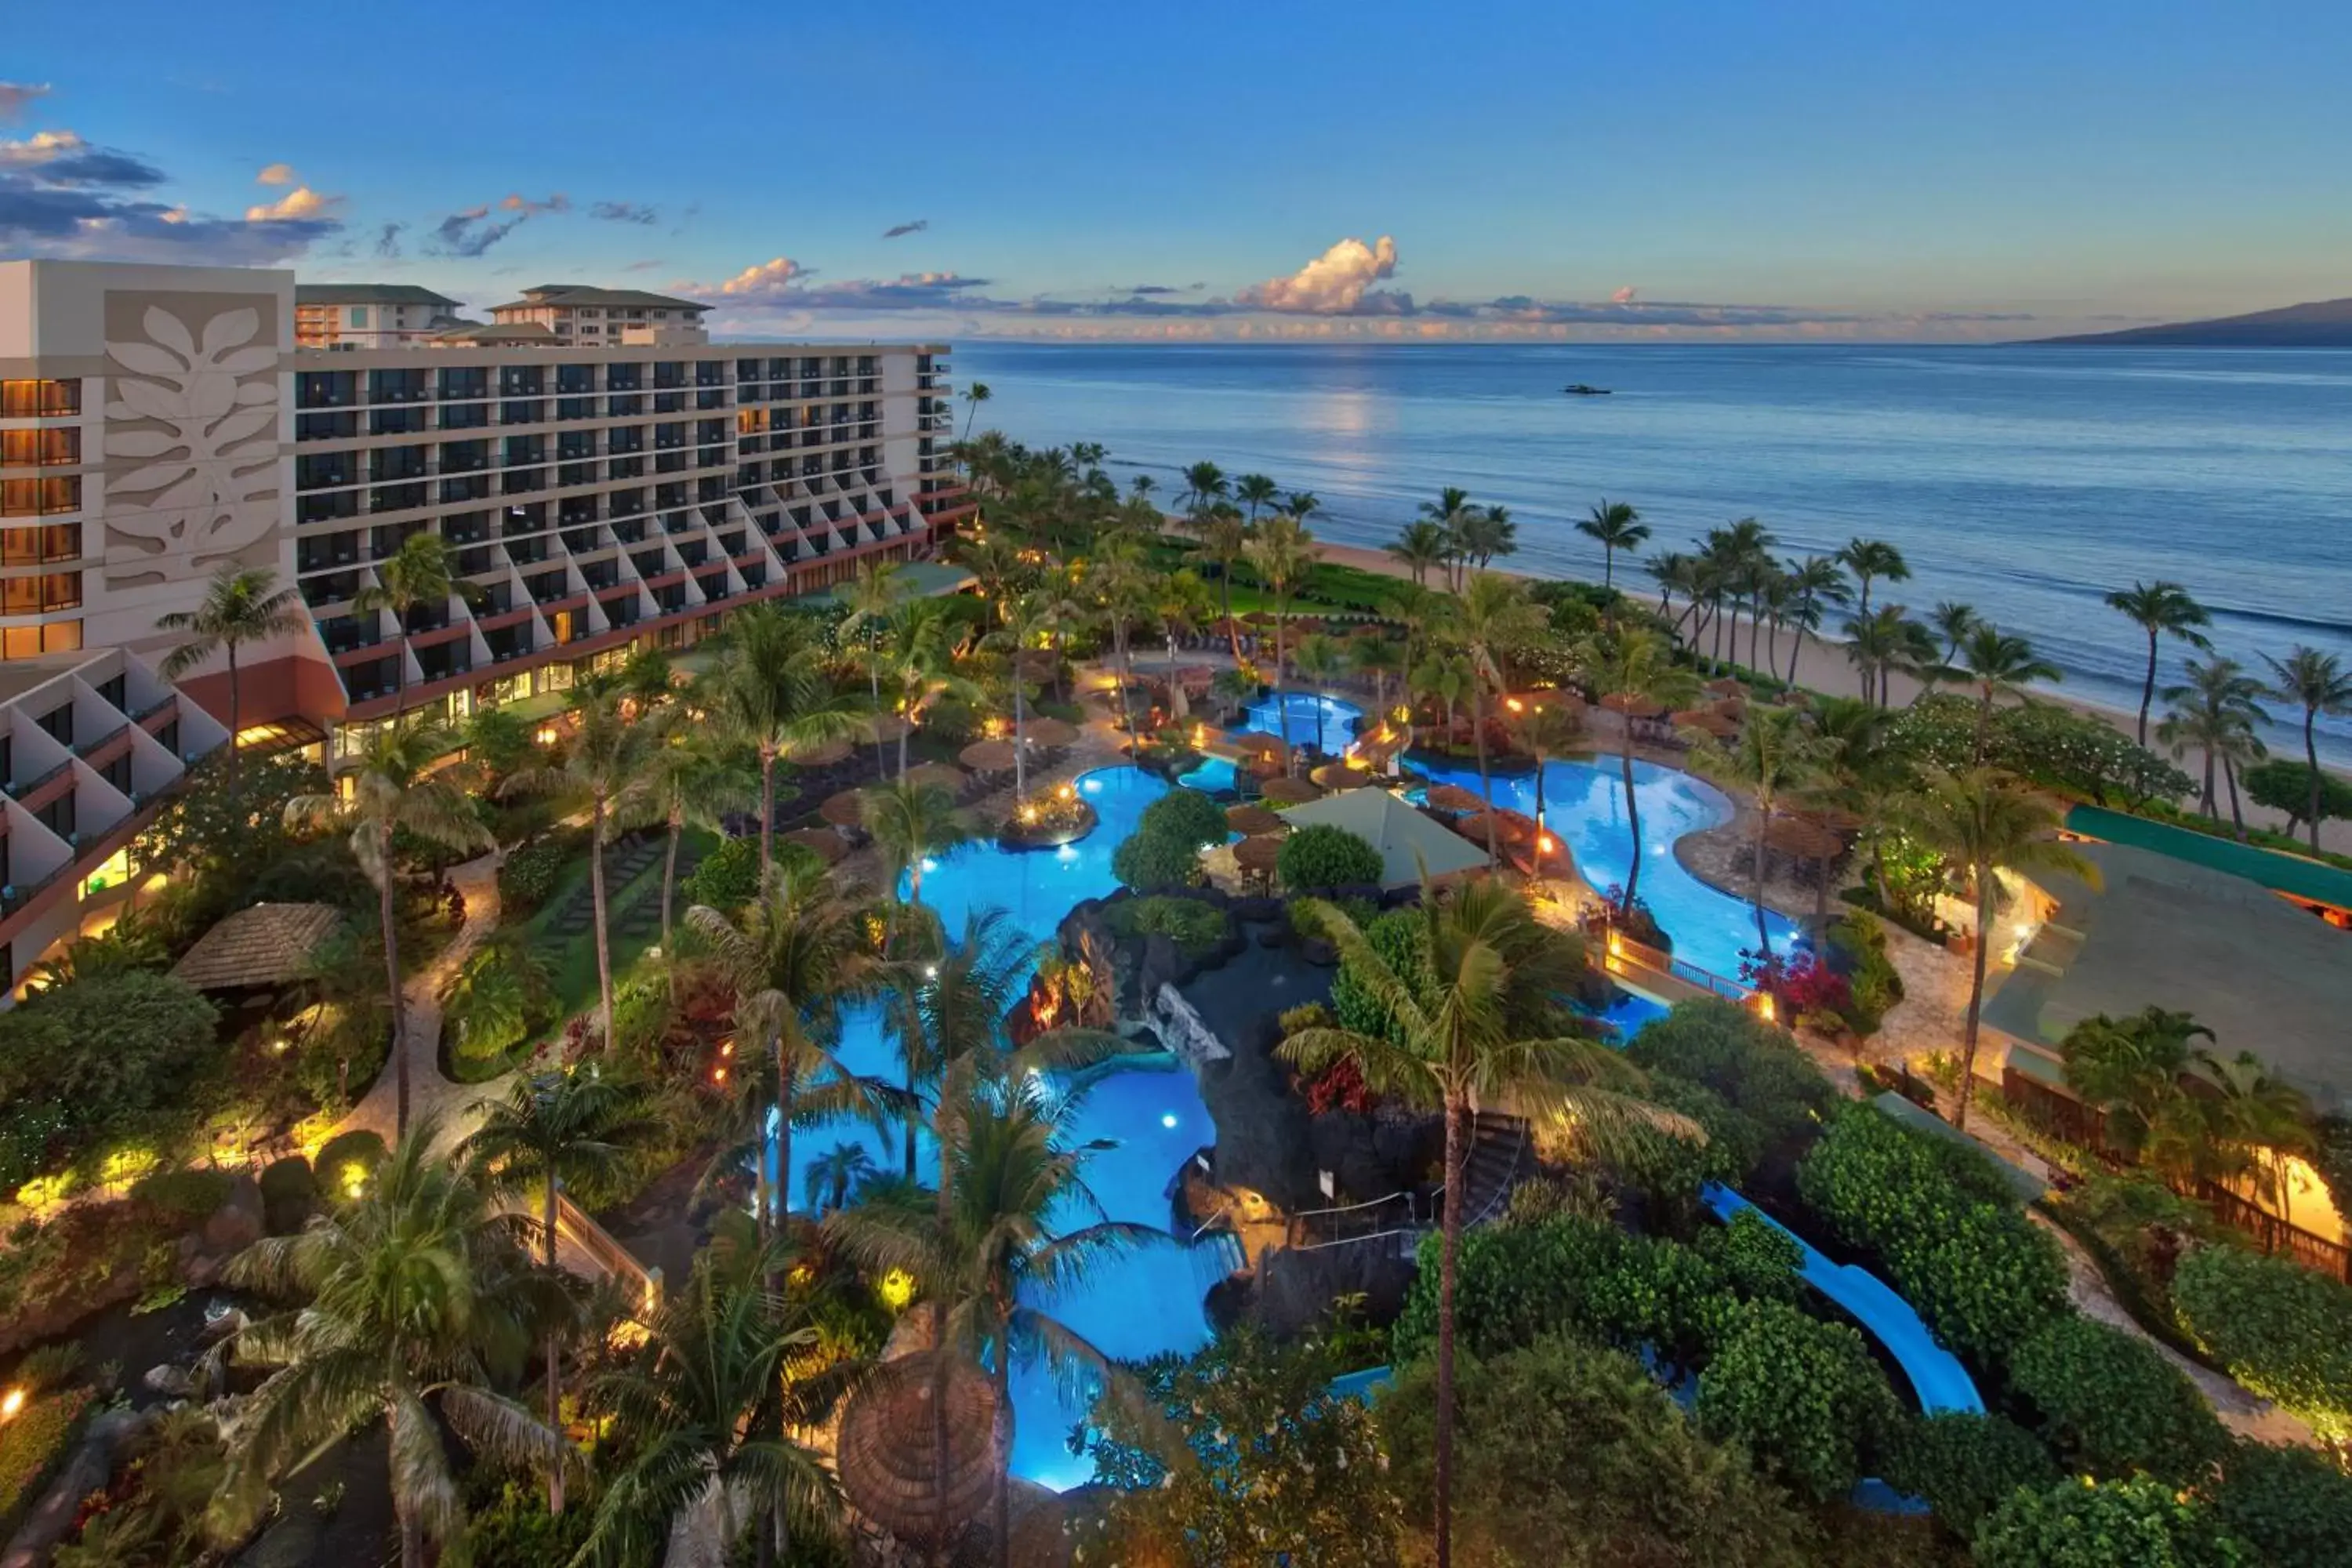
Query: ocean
2026,481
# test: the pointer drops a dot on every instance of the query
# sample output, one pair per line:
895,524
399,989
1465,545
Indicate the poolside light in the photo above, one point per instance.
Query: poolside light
1547,843
1764,1006
1514,705
1067,793
11,1402
1028,814
725,1048
718,1075
896,1288
545,735
1168,1119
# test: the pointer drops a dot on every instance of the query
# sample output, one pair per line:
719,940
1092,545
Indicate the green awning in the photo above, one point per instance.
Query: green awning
2289,874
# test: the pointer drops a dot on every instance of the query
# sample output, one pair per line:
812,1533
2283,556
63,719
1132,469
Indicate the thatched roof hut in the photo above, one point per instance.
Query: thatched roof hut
824,842
1256,819
1454,797
941,774
846,809
1257,854
818,753
256,948
886,1457
988,756
1289,792
1049,732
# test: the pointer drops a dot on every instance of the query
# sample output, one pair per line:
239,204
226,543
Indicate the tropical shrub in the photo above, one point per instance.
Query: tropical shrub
529,876
2292,1506
2284,786
1150,862
2043,744
1397,937
1754,1069
1516,1283
1282,1469
727,877
2276,1327
2112,1406
1978,1271
89,1057
2137,1523
290,1195
1340,1086
1572,1456
1320,857
1198,929
1754,1256
347,1159
1187,815
1966,1465
182,1195
33,1444
1804,1395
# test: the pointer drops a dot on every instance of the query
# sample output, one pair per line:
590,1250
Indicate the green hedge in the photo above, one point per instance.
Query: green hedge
2139,1523
1322,859
1804,1395
1974,1267
2281,1330
1396,936
1775,1096
529,874
1966,1465
2292,1506
728,876
33,1444
1198,929
184,1194
2112,1406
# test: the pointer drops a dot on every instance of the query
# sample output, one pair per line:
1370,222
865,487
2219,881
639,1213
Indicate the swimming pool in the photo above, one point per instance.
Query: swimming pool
1630,1013
1152,1117
1584,803
1315,720
1211,774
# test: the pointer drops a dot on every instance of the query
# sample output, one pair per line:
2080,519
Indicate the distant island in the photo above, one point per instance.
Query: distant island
2323,324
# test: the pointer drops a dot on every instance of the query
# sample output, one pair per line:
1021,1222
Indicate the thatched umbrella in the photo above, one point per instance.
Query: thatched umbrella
1267,767
1289,792
1726,686
988,756
1339,775
1307,625
1260,618
950,779
886,728
846,809
824,844
1549,699
1050,732
818,753
888,1466
1454,797
1732,707
1804,839
1257,855
1258,741
1256,819
1707,722
1631,706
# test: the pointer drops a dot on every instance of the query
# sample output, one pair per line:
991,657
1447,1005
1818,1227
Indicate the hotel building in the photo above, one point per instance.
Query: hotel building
605,476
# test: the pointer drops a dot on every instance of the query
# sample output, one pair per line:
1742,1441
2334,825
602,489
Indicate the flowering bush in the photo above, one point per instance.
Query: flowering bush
1803,989
1639,923
1340,1086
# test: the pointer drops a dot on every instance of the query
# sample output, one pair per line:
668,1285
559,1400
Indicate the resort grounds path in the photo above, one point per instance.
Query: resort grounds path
429,1093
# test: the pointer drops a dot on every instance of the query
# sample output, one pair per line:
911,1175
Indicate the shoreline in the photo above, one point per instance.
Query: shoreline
1822,665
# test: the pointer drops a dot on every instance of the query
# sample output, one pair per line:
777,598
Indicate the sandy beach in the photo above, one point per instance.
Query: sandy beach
1822,665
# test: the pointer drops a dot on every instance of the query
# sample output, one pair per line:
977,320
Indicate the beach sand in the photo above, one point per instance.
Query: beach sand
1822,665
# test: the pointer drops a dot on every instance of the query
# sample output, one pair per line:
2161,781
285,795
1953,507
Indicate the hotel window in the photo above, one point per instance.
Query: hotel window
34,596
39,497
40,546
30,642
40,449
39,399
359,316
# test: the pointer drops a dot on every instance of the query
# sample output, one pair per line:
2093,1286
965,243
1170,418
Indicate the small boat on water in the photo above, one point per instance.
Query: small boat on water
1581,389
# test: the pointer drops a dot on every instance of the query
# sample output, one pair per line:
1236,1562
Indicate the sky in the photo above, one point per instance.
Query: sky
1718,170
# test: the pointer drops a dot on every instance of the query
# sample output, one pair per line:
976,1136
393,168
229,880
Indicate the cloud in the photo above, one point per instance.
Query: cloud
1623,295
468,233
783,283
387,241
14,95
275,174
756,280
299,203
646,265
1333,284
63,158
624,212
519,202
1150,288
895,229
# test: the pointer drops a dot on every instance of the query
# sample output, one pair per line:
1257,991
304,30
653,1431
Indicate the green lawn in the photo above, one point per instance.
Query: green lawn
574,955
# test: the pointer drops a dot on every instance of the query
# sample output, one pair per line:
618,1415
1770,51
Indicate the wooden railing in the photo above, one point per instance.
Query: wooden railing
616,1262
1622,953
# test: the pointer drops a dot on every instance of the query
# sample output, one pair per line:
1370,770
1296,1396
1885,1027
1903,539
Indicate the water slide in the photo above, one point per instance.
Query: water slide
1937,1378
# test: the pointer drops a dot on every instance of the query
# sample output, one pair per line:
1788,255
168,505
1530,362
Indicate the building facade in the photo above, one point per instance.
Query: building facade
368,315
158,423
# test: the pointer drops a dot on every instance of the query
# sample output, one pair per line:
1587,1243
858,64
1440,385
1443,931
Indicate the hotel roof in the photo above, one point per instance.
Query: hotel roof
1408,841
369,294
582,294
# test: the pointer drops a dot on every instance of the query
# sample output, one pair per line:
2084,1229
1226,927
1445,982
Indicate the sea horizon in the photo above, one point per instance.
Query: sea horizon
2027,480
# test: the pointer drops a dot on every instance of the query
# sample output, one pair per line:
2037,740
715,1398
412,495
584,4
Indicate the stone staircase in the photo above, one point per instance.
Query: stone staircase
625,859
1498,1150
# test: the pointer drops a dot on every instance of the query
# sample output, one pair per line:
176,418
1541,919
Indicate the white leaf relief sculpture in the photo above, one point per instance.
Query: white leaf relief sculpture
204,485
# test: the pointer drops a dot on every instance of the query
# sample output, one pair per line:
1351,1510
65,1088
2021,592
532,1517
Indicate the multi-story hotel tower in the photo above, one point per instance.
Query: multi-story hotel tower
605,477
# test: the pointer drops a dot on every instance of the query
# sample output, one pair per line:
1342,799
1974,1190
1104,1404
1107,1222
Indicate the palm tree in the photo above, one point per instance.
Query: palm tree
688,777
603,770
1884,641
1224,539
2317,683
1254,490
2215,711
1319,658
920,665
874,594
392,790
1546,729
910,824
2161,608
1869,560
798,955
1493,616
1772,757
1205,484
1816,584
772,692
1672,570
1125,590
1444,678
1025,626
1302,504
556,1130
2130,1069
1446,514
1379,657
1488,532
1179,603
975,395
1980,820
1955,622
1005,1252
418,573
831,1176
1613,526
1746,548
241,604
1419,546
2266,1118
1854,773
711,1401
2000,664
1633,666
1282,554
417,1302
1478,1022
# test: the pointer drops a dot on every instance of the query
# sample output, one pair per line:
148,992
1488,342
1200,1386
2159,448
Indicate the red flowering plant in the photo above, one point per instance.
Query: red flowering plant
1803,989
1340,1086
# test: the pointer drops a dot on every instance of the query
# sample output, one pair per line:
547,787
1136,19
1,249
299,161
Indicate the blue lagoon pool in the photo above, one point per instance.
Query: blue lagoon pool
1211,774
1315,720
1584,805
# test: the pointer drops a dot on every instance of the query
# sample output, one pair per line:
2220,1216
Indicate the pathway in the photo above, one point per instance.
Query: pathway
429,1093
